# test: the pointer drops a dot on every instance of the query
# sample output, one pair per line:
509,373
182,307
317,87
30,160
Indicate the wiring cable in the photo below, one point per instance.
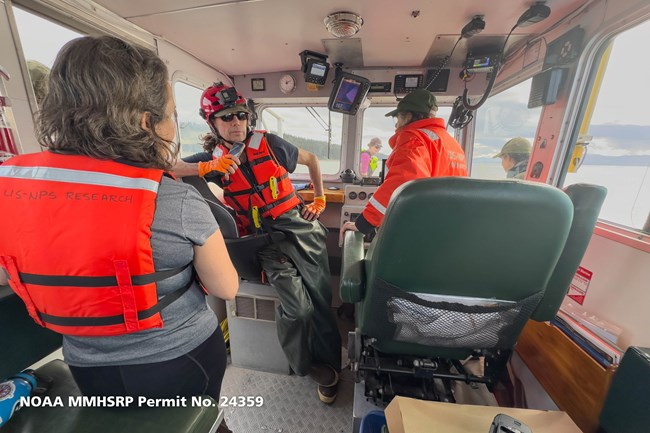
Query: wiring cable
495,71
442,64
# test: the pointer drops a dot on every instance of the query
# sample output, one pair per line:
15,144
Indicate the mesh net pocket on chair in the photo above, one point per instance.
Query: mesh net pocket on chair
454,322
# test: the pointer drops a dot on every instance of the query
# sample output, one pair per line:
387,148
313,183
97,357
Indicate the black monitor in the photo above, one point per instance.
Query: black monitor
348,93
316,71
315,67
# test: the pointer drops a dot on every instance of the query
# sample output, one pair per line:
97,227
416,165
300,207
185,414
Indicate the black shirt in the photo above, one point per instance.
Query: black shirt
285,152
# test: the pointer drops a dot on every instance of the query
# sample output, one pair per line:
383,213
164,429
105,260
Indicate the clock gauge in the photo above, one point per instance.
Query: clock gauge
287,84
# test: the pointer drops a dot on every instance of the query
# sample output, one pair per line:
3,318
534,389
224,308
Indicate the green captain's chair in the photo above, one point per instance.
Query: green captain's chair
456,269
587,200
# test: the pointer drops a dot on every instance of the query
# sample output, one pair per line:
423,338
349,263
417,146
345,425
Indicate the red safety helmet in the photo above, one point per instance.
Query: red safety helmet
218,98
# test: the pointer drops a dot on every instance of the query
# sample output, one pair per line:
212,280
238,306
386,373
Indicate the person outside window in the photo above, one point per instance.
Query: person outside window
514,157
369,159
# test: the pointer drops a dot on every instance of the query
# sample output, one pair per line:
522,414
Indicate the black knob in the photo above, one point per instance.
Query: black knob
362,196
352,195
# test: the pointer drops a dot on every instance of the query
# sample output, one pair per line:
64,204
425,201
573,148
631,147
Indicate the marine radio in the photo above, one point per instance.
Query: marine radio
485,63
315,67
406,83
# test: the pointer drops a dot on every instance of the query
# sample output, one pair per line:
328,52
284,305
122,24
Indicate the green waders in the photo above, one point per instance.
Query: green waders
298,268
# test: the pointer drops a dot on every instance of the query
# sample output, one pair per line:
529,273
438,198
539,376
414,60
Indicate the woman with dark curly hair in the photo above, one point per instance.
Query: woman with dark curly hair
103,245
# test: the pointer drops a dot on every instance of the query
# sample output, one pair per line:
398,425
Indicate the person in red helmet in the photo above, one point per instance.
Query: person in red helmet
256,185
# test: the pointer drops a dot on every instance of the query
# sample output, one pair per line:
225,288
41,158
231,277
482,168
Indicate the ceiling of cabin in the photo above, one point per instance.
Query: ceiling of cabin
256,36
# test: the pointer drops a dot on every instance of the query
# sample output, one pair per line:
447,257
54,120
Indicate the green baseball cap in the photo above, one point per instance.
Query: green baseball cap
418,101
515,145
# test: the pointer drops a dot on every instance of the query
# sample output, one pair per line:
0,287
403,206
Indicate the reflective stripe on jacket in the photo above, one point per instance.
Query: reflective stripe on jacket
260,183
420,149
77,244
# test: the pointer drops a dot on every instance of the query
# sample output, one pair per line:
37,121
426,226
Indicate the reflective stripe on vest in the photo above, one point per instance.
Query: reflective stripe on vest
77,176
380,208
78,243
432,135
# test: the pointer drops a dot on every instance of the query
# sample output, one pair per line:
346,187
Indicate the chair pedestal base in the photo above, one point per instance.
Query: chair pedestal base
387,375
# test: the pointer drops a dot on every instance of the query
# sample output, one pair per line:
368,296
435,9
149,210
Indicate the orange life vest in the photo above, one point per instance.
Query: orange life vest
260,188
77,244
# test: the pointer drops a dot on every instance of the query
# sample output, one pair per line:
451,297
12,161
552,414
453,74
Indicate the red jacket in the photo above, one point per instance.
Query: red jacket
420,149
260,188
77,243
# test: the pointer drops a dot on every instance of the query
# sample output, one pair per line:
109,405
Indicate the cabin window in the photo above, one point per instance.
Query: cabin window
377,129
315,129
502,117
38,48
618,153
190,125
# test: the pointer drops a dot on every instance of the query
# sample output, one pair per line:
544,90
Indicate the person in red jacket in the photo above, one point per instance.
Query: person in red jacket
421,148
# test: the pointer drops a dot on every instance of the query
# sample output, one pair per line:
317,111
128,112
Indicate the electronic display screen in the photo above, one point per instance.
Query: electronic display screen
348,92
406,83
318,69
481,62
411,82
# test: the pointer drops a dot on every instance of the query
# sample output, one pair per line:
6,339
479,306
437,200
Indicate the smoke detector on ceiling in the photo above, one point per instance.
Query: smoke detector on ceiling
343,24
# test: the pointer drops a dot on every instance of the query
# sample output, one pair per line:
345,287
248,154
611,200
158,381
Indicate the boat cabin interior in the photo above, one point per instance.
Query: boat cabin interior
529,292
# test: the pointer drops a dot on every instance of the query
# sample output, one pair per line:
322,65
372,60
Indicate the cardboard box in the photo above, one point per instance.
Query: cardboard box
407,415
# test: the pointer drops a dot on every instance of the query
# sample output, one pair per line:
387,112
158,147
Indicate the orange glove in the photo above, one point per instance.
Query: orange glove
313,210
217,166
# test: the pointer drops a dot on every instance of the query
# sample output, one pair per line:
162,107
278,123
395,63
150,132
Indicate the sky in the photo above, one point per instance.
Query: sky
622,99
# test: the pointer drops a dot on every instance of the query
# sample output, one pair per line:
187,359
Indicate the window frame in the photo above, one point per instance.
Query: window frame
183,78
327,177
625,235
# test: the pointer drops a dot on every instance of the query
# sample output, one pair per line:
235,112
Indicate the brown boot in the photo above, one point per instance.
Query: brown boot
327,379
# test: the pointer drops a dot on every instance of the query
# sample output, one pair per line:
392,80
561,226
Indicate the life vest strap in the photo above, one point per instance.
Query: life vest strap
119,319
270,206
77,281
257,188
260,160
9,263
127,295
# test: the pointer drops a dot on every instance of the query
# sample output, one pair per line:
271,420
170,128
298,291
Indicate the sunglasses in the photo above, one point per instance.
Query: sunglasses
229,117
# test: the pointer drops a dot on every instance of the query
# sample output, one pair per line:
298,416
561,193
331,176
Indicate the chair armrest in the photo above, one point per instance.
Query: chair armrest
243,253
352,286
